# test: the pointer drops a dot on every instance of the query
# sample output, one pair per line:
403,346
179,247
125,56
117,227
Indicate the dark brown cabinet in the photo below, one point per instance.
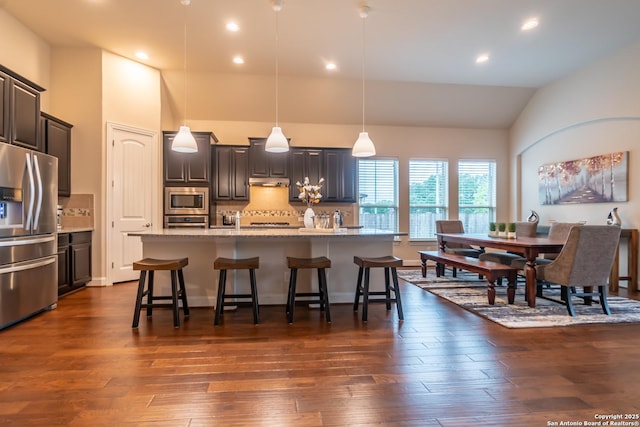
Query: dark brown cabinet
336,165
20,111
340,174
187,168
64,263
231,165
74,261
56,135
4,107
266,165
304,162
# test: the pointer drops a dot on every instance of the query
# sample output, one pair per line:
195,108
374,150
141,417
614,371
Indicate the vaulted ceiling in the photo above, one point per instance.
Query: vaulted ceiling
419,54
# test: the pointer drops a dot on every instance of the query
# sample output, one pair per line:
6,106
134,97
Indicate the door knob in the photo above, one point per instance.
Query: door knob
148,225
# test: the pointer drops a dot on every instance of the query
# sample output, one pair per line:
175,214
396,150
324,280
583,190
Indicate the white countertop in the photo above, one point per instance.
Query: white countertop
264,232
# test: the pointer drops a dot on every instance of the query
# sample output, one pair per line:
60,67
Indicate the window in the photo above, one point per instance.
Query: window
428,199
476,195
378,186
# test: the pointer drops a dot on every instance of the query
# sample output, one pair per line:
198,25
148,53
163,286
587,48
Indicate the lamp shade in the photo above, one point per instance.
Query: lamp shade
184,142
364,146
276,142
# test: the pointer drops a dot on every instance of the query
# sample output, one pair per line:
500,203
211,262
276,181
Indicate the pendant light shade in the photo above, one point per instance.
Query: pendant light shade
184,142
276,142
363,146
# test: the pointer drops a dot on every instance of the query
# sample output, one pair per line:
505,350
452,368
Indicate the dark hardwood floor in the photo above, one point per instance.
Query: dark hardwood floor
83,365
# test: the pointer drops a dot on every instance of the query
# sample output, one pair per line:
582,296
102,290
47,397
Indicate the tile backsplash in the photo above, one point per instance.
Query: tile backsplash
271,204
77,210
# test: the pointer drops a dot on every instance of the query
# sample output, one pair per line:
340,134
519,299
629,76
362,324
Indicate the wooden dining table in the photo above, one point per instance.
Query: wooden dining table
529,247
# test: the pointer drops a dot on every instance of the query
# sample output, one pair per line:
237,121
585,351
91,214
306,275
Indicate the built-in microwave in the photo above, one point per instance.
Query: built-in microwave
186,201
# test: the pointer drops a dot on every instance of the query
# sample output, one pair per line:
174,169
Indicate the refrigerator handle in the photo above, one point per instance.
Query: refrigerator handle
10,243
27,266
36,216
27,225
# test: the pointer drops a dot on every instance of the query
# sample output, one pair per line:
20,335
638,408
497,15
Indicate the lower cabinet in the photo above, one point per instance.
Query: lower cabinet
74,261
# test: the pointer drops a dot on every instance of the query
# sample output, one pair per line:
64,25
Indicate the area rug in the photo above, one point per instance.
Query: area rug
470,293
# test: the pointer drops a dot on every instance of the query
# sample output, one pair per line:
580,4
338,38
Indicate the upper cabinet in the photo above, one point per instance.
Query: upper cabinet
336,165
4,107
19,111
232,172
340,174
187,168
56,136
266,165
304,163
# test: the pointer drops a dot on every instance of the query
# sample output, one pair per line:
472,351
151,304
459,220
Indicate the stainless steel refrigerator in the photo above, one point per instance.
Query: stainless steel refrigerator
28,240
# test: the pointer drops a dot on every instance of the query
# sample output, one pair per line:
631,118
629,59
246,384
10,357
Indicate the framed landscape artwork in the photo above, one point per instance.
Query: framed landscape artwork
597,179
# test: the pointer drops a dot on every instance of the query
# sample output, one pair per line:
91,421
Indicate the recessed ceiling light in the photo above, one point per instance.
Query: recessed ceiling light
142,55
529,24
233,27
331,66
482,58
238,60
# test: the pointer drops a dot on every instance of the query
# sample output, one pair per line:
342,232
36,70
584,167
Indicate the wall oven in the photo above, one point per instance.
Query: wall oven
186,201
186,221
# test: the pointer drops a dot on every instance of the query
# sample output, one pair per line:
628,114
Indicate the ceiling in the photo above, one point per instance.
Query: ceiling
414,48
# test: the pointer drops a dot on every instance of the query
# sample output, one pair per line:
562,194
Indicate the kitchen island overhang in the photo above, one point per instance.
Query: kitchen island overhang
203,246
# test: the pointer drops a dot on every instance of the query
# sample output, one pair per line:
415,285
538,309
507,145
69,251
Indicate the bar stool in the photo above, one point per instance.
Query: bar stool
152,265
388,263
320,263
224,264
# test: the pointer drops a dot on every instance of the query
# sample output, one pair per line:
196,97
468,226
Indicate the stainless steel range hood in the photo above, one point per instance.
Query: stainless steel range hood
269,182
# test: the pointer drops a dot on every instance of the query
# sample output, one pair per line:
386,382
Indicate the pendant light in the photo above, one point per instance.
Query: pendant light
276,142
363,147
184,142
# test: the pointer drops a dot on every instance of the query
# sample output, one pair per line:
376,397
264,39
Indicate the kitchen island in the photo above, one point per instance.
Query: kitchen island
203,246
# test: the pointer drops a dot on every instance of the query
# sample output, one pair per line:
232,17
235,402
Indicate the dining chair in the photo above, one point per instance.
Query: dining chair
584,262
557,231
455,226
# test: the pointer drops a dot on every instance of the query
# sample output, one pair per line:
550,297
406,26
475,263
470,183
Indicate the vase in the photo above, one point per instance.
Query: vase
533,217
309,216
613,218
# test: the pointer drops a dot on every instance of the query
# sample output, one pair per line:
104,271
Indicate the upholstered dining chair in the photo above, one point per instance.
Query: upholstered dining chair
456,226
584,262
557,231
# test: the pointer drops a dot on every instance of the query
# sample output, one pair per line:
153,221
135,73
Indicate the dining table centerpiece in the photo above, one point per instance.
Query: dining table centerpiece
309,194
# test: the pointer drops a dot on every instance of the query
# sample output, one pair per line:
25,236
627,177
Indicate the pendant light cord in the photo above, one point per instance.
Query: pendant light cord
277,63
363,14
184,61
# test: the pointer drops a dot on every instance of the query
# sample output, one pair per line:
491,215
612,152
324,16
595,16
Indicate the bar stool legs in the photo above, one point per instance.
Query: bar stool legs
224,264
319,263
389,263
178,291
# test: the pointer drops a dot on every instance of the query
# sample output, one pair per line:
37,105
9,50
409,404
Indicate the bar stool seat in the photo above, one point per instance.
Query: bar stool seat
319,263
224,264
389,263
178,291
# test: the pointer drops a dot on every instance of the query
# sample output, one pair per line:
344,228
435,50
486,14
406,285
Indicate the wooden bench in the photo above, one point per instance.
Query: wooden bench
491,270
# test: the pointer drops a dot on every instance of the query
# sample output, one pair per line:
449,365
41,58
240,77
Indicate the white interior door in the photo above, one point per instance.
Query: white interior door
131,196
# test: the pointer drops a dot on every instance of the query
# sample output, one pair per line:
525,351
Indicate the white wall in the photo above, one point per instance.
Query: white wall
25,53
594,111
